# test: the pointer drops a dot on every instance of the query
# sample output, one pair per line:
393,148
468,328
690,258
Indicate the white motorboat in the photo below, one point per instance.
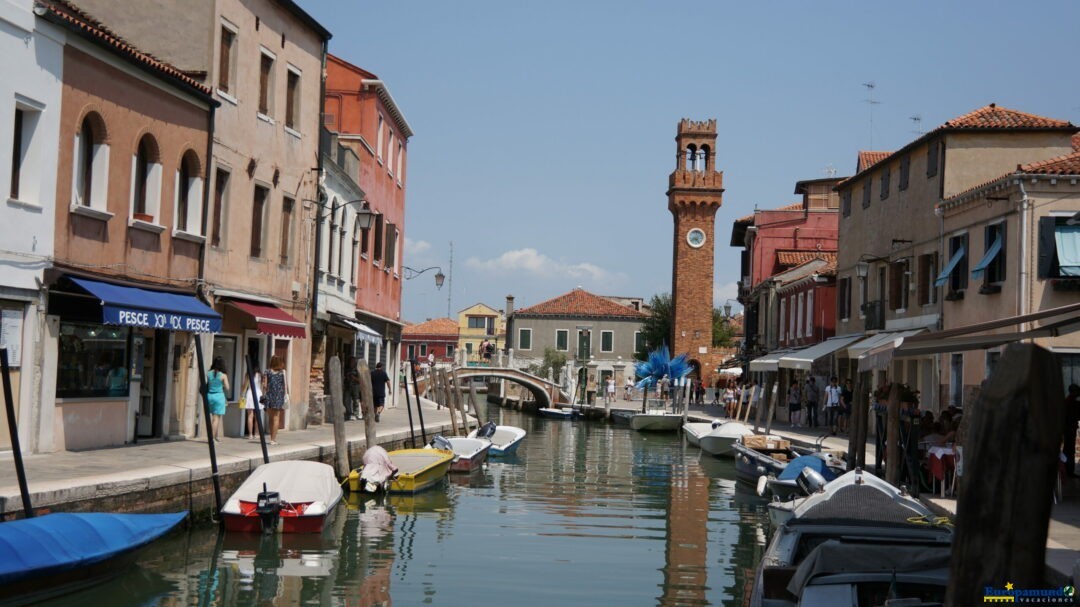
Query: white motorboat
856,540
299,494
469,453
656,420
720,440
504,439
695,430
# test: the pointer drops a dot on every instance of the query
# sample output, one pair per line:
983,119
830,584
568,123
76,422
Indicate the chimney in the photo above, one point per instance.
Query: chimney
509,311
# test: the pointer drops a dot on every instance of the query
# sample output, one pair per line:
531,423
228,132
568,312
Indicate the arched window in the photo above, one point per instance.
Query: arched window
189,194
91,160
342,231
354,260
691,157
703,155
330,239
146,180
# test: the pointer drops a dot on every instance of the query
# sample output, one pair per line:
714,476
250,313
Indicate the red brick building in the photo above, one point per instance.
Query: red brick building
438,336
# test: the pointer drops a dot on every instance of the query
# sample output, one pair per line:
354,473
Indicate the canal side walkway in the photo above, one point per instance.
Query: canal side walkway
1063,541
175,474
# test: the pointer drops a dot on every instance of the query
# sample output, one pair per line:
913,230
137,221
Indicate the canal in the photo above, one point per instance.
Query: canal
586,513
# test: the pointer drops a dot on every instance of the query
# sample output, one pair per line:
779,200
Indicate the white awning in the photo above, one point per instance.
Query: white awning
769,362
804,359
880,353
1051,323
364,332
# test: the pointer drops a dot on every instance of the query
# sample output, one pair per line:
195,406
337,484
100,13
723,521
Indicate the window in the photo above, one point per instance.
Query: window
412,352
379,137
423,349
146,180
17,153
799,326
292,98
258,215
221,195
525,339
991,268
189,191
607,341
992,357
956,273
845,205
287,205
562,340
899,282
866,195
1059,248
809,313
377,248
92,360
468,348
956,380
226,61
341,244
844,305
477,322
932,160
885,176
783,314
330,240
391,246
864,295
639,341
355,250
390,153
91,161
266,83
225,347
449,350
400,153
364,241
905,170
927,292
584,344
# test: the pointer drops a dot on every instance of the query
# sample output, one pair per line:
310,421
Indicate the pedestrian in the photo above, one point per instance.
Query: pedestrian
249,404
431,361
847,396
729,400
486,350
700,393
718,390
755,397
813,394
379,381
832,403
794,401
628,389
217,384
276,393
1069,430
590,390
610,393
351,389
662,388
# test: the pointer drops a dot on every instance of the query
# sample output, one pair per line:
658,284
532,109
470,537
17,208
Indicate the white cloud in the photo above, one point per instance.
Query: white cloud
724,292
415,247
536,263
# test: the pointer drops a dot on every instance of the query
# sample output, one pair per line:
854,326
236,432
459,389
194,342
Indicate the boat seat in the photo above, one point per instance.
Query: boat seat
774,582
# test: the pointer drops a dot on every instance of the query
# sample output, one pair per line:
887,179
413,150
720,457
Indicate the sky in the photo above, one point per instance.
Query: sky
544,131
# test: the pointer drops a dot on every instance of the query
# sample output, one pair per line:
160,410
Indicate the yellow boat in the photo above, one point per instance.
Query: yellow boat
419,469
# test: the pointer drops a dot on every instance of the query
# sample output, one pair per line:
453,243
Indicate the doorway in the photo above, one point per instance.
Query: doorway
155,376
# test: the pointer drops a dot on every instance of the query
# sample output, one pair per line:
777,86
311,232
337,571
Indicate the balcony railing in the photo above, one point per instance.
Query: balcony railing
875,315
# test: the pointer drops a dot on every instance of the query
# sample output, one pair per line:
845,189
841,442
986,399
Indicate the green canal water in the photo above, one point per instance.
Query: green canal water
585,514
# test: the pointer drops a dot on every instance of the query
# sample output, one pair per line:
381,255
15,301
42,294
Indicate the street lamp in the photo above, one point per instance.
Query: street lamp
727,307
410,273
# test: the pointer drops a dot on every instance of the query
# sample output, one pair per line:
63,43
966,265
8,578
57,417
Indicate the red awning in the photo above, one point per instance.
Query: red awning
272,320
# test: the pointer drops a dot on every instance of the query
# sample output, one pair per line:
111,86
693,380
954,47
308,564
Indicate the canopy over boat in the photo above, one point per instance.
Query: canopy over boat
815,463
296,481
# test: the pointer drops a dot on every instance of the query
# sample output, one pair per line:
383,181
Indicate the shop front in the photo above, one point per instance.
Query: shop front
261,330
379,340
114,352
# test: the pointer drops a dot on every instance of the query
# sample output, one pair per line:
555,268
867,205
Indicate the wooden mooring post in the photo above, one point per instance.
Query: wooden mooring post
337,418
1010,465
367,403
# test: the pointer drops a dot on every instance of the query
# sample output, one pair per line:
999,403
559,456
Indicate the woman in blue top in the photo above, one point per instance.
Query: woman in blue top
216,385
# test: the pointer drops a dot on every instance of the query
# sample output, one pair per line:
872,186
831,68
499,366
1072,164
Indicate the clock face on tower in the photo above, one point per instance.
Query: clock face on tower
695,238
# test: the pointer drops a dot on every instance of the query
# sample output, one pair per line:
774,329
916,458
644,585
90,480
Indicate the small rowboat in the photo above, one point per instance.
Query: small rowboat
721,440
299,494
556,413
504,439
656,420
469,453
418,469
54,554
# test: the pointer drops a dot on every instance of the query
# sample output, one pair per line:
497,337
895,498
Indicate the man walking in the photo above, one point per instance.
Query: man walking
832,404
813,394
379,381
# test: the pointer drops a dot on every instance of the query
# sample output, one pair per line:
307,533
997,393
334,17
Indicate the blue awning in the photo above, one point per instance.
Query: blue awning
988,258
1068,249
944,276
135,307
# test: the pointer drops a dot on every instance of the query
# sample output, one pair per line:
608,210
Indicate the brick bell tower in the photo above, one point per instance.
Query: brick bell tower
695,193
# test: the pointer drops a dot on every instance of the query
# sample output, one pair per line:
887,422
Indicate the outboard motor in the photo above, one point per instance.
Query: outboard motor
268,507
486,431
810,481
440,442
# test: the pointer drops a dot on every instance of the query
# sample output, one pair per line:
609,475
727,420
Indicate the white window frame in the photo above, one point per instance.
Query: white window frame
99,187
379,140
271,84
522,332
612,334
229,96
30,167
400,153
390,153
864,292
567,332
153,192
194,228
293,130
810,313
782,338
799,316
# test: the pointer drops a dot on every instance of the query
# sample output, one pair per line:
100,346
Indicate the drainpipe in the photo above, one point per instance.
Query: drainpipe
206,190
318,203
1025,212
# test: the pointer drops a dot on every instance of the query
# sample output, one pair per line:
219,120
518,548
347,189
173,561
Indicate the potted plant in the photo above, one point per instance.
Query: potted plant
148,218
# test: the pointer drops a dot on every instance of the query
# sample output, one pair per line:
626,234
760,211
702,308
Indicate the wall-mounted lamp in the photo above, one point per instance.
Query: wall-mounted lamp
862,269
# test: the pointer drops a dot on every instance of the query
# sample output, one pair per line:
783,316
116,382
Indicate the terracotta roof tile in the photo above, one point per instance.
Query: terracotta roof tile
994,117
580,302
1076,142
1062,165
435,326
868,158
796,258
80,21
795,206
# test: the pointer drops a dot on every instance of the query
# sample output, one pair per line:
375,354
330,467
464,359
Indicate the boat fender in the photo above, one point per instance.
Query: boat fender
315,509
762,485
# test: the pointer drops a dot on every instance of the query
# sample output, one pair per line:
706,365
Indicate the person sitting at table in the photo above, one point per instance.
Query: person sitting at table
935,437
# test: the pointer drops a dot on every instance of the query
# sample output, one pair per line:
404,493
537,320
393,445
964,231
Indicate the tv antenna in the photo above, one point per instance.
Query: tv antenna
870,86
830,170
916,120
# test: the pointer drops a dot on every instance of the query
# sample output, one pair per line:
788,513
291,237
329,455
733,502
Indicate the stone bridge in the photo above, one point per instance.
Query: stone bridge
542,390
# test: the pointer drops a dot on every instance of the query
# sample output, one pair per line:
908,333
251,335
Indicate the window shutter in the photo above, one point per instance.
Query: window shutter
1047,246
924,279
894,286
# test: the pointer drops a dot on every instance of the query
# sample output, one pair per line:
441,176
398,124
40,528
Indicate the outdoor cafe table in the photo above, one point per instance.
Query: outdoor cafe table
942,463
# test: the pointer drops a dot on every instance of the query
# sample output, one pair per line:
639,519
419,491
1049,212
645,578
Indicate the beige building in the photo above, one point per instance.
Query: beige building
1020,257
264,61
477,323
893,247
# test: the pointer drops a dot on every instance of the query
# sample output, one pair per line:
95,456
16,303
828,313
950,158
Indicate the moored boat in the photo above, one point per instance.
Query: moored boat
505,440
858,541
54,554
555,413
469,453
761,455
785,486
721,439
656,420
695,430
298,494
418,469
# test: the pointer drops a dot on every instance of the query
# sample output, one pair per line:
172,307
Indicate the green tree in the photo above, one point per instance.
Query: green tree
722,331
553,360
656,329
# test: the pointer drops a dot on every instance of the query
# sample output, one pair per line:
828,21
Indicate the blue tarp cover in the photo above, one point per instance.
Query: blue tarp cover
57,542
795,466
134,307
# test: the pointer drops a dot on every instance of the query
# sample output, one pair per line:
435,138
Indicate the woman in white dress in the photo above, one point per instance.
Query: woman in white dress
251,405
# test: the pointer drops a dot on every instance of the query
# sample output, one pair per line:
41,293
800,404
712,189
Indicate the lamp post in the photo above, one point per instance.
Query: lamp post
410,273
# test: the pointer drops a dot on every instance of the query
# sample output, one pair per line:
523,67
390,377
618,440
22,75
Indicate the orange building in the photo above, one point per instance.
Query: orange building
361,111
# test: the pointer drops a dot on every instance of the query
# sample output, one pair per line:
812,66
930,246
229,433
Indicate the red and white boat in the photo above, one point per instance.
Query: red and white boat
289,496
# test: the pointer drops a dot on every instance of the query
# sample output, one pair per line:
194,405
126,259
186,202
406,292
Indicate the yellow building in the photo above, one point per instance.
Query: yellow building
477,323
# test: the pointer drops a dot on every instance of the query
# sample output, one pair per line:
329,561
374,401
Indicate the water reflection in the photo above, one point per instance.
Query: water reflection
585,513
